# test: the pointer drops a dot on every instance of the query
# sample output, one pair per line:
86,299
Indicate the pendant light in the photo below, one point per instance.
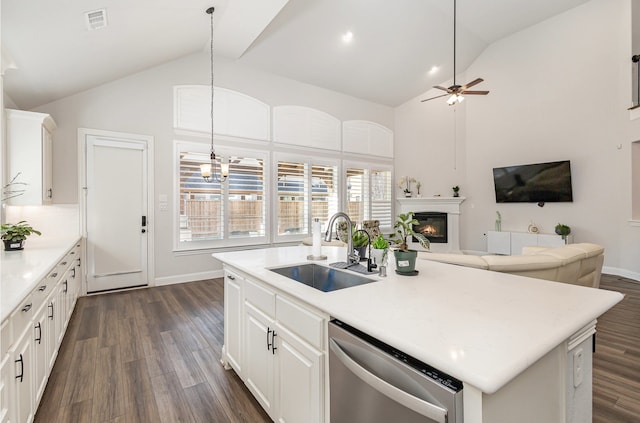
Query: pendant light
208,170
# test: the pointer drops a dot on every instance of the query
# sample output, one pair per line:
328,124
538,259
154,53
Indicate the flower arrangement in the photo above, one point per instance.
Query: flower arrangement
405,184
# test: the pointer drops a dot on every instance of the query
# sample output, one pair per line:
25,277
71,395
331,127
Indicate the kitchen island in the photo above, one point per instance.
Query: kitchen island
511,340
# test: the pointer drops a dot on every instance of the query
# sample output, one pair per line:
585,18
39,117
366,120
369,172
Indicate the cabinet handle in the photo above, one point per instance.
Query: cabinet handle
50,193
66,286
21,361
268,343
73,253
74,273
39,338
51,308
79,262
273,342
233,278
42,288
64,263
26,308
53,275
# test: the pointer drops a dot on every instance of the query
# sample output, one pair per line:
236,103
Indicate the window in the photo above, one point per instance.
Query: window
215,214
305,189
369,193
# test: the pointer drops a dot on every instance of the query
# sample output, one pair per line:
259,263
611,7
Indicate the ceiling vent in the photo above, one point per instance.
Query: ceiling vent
96,19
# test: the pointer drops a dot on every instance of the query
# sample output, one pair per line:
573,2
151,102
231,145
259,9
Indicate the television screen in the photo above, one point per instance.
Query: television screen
533,183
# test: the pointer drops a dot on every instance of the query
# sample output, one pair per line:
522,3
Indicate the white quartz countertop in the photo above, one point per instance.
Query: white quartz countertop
21,271
481,327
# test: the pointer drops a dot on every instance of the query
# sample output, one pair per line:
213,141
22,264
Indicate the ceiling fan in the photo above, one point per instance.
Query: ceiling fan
455,91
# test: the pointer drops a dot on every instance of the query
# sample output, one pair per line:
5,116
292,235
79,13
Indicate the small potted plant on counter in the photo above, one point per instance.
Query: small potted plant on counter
406,258
14,235
380,249
360,240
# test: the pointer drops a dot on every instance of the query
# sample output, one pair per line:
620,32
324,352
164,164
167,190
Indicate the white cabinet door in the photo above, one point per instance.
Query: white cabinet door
6,381
40,367
29,148
61,312
499,242
22,383
233,330
519,240
260,356
300,379
52,327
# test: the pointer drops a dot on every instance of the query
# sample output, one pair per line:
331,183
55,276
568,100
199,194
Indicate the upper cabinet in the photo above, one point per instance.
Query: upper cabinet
303,126
29,149
363,137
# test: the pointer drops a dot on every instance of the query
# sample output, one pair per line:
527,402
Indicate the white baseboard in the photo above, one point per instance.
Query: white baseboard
621,272
191,277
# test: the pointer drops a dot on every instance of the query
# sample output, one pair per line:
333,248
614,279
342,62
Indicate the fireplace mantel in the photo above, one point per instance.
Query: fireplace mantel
449,205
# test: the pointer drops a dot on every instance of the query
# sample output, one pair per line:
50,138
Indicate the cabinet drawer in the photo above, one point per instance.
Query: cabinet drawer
304,323
21,317
260,297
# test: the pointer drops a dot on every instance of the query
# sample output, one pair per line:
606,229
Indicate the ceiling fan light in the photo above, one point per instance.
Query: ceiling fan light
452,100
460,98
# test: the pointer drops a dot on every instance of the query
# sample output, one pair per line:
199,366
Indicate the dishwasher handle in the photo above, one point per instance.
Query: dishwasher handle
414,403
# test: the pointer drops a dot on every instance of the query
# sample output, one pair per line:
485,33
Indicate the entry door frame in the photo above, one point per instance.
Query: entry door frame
83,134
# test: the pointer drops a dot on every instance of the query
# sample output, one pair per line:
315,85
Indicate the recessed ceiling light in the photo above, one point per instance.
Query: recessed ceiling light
433,70
347,37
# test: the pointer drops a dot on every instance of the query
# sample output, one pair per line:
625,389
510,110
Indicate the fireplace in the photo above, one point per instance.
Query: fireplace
433,225
446,205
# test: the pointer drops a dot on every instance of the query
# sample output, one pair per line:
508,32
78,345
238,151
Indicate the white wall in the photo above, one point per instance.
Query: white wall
559,90
142,104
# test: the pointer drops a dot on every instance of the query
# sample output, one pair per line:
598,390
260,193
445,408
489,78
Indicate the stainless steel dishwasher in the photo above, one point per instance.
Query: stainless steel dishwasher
373,382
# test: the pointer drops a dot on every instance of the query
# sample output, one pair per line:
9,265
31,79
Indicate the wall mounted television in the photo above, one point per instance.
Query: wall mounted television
534,183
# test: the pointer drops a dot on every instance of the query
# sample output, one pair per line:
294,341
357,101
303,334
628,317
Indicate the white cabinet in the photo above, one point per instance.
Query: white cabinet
29,148
22,384
31,336
282,348
512,243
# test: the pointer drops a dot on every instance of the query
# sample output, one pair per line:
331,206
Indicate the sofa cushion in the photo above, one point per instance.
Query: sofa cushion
459,259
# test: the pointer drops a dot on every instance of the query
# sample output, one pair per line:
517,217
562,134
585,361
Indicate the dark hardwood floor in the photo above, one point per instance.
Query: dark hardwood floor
616,363
152,355
149,355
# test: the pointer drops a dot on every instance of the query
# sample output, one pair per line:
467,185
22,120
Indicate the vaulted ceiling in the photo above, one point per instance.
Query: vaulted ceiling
48,53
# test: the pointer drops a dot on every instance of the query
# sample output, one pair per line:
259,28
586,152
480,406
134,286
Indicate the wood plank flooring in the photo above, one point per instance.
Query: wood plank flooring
149,355
616,363
152,355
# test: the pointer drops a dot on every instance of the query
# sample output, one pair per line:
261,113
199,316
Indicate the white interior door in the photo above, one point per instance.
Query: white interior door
116,217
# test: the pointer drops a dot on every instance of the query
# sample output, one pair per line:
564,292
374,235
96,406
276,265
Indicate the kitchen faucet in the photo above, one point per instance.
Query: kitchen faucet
352,258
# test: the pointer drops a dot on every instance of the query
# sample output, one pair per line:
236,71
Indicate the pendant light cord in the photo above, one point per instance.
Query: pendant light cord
210,12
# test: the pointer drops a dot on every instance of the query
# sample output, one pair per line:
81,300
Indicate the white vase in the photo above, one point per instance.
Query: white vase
379,256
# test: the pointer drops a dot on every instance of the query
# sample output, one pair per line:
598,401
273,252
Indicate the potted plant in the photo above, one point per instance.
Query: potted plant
563,230
380,249
405,185
456,191
14,235
360,241
406,258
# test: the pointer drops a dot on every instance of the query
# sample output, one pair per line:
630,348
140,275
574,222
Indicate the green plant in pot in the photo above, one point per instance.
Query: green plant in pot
14,235
380,249
406,258
360,241
563,230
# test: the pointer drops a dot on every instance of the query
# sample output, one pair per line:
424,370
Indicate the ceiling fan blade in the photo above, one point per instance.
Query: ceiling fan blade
472,83
433,98
475,92
442,88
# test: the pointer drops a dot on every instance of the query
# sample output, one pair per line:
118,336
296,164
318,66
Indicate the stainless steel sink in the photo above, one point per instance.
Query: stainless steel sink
322,278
